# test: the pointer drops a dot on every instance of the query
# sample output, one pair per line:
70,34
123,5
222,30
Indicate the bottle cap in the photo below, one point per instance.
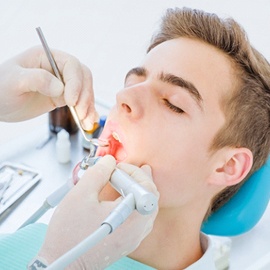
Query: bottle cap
62,135
102,120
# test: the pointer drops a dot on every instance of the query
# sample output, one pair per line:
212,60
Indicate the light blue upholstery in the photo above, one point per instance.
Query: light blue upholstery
245,209
18,248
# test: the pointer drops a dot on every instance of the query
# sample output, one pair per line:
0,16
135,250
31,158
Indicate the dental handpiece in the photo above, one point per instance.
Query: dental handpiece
135,197
145,202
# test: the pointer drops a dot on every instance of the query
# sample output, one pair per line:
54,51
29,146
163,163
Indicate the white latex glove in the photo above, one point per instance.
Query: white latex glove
81,213
28,87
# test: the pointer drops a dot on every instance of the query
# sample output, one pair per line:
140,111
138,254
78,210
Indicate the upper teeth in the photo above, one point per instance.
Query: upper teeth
116,136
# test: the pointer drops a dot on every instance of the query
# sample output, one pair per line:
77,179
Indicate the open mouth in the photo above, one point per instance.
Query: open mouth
115,147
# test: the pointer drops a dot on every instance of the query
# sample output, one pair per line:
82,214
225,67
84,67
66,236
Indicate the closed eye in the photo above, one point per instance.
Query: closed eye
172,107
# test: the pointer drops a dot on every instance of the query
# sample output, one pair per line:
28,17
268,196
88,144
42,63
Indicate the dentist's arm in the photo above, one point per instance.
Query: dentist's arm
28,87
81,213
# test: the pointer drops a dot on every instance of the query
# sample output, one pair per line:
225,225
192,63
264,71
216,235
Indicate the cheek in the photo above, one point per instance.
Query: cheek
179,175
144,145
171,185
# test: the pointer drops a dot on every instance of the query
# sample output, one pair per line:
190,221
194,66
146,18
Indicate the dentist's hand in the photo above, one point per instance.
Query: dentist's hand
28,87
81,213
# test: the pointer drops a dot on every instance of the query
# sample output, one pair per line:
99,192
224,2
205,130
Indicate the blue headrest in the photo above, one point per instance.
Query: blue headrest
245,208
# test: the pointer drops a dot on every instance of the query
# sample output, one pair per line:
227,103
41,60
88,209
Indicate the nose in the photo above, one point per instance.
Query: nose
132,101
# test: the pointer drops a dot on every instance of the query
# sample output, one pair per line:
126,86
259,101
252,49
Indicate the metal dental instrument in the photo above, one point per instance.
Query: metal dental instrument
8,179
58,75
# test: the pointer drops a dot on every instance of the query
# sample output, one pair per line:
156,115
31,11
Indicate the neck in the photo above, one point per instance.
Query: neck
174,242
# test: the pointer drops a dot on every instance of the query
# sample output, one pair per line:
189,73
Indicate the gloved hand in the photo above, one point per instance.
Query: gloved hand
81,213
28,87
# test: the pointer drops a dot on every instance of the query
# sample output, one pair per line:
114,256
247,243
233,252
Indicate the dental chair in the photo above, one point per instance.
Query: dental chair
245,208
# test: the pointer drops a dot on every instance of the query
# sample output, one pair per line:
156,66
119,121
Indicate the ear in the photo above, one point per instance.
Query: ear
233,166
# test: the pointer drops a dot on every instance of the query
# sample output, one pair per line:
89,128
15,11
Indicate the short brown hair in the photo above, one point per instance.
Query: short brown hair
247,109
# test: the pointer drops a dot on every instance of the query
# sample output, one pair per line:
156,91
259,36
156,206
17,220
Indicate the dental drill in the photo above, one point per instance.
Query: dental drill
145,201
134,197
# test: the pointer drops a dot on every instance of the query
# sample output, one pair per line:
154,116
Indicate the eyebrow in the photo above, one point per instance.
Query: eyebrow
170,79
138,71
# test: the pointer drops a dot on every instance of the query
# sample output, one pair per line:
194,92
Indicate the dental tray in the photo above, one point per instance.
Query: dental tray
15,181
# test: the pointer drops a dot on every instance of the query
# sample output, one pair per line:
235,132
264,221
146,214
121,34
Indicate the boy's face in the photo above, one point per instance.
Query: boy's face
168,114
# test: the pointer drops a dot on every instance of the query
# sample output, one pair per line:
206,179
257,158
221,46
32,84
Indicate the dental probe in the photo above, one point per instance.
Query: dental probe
58,75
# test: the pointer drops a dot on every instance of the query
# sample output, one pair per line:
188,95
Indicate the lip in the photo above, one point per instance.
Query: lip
116,148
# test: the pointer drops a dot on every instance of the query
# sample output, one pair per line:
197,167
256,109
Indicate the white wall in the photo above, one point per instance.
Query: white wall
111,37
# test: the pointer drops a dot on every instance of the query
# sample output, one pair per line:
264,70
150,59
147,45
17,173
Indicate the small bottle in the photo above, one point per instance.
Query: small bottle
61,118
63,146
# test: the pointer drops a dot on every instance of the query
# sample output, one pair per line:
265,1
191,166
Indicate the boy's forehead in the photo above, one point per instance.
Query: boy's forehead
188,50
202,64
